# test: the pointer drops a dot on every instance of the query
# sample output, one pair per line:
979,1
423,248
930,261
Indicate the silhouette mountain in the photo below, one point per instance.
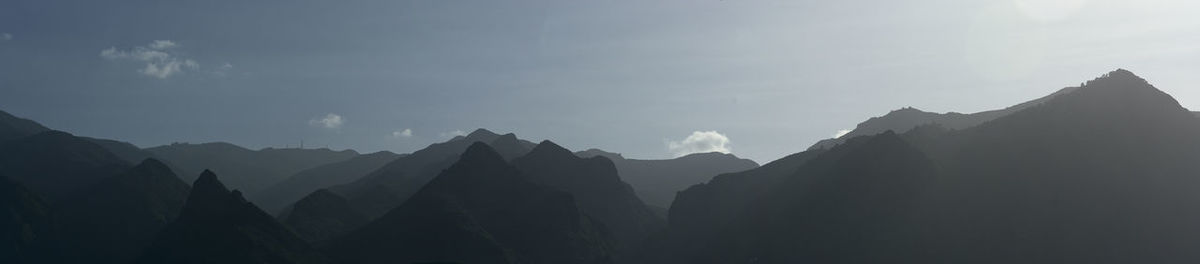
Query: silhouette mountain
1102,174
322,215
491,208
279,195
115,219
907,118
657,181
388,187
598,191
244,169
54,163
12,127
26,229
219,226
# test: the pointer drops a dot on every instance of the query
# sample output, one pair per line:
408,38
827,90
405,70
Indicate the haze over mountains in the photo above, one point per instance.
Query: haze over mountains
1101,173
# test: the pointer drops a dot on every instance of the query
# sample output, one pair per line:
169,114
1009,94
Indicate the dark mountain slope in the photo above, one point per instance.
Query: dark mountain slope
856,203
597,189
115,219
12,127
25,224
1106,174
322,215
657,181
477,198
244,169
219,226
54,163
279,195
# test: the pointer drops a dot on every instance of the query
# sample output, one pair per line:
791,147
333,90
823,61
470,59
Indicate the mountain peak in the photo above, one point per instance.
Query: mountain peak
547,147
480,152
482,134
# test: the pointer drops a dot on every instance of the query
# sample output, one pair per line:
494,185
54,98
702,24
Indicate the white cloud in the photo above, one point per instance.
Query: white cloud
159,63
406,133
162,44
451,134
331,121
841,133
5,36
700,142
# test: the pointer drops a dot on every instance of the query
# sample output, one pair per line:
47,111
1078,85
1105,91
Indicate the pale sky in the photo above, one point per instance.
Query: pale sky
649,79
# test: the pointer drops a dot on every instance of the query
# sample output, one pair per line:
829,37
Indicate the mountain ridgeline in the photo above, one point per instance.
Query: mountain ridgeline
1105,172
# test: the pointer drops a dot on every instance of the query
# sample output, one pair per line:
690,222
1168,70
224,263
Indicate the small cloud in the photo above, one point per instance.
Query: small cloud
406,133
159,63
451,134
699,142
330,121
162,44
5,36
841,133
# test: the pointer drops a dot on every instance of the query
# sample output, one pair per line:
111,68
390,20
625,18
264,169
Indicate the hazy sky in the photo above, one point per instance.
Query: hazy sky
650,79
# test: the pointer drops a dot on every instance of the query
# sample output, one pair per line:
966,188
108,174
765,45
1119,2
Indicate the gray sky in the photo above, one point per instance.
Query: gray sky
636,77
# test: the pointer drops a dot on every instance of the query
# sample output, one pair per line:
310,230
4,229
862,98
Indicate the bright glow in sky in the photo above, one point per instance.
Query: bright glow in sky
770,77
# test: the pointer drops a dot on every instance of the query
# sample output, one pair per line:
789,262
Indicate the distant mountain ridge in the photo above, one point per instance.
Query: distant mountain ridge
657,181
907,118
248,170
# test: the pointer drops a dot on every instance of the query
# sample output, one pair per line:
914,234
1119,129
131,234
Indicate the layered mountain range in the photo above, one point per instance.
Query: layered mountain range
1100,173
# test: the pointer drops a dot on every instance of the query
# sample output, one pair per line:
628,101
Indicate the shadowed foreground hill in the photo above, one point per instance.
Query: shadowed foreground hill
480,210
54,164
25,225
219,226
114,220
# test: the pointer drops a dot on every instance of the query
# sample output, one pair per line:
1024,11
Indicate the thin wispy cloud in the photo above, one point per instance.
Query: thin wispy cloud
451,134
160,62
330,121
6,36
406,133
700,142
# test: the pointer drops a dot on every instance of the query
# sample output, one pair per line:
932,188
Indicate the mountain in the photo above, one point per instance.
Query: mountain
1103,174
908,118
322,215
279,195
657,181
25,224
244,169
387,187
54,164
219,226
598,191
12,127
476,211
115,219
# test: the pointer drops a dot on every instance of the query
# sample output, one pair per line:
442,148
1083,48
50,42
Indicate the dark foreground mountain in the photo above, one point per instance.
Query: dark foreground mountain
598,191
54,164
219,226
480,210
279,195
25,224
657,181
1103,174
115,219
244,169
12,127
